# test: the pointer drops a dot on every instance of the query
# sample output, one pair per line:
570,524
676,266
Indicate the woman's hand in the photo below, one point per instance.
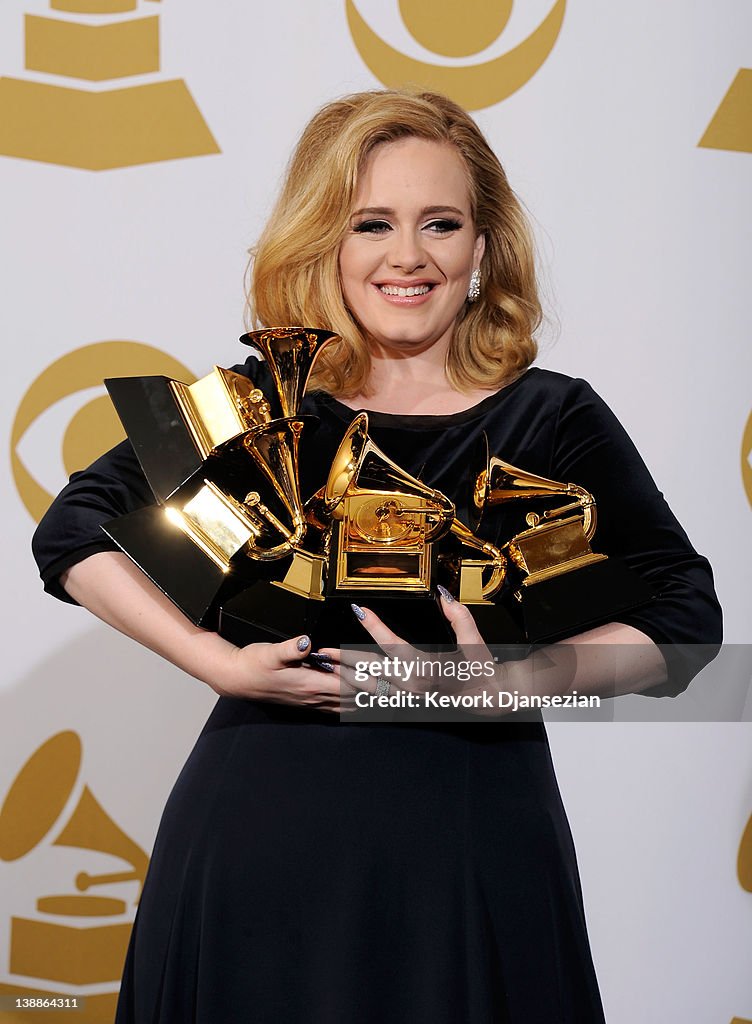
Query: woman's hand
419,672
111,587
277,673
458,615
606,661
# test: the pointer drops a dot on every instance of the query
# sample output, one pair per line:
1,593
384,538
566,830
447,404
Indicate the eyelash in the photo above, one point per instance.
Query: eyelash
444,226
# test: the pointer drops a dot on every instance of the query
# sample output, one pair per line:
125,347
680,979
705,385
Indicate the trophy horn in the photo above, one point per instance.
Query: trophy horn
360,467
479,462
290,353
345,463
500,482
495,561
274,449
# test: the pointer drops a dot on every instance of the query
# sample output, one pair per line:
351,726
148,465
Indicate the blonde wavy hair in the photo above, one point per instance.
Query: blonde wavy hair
294,268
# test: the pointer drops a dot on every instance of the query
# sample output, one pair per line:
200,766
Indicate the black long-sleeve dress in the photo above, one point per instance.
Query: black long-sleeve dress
308,871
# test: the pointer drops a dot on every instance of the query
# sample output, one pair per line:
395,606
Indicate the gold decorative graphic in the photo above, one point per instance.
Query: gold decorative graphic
455,30
98,129
92,52
45,945
94,6
95,427
731,125
747,459
451,29
744,860
744,874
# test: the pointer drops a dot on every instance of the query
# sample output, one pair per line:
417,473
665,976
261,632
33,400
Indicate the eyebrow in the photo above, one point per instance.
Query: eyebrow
386,211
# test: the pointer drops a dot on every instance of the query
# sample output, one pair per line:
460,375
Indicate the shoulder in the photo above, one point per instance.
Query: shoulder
550,400
550,423
553,387
569,402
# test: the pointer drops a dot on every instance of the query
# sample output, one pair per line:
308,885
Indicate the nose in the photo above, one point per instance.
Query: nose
406,251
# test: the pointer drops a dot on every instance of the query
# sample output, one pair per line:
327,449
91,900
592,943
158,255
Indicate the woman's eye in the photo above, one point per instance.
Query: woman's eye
372,227
443,227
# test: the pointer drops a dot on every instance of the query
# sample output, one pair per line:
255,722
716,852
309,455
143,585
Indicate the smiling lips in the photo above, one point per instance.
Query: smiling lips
406,294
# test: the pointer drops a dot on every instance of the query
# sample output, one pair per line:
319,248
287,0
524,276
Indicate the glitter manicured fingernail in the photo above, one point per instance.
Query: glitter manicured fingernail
444,593
358,612
320,660
304,643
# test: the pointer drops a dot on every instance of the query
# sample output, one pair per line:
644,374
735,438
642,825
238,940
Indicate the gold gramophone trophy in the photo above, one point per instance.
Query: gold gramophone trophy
232,542
372,536
223,466
556,584
379,535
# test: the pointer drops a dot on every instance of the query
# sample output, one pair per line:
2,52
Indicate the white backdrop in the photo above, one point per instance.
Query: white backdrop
644,244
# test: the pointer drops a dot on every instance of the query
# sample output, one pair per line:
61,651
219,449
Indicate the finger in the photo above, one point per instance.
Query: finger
461,620
292,651
351,682
387,639
309,678
350,657
314,689
321,661
331,654
357,679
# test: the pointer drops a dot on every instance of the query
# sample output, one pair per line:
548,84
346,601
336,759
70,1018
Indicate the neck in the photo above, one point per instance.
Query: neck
407,369
413,383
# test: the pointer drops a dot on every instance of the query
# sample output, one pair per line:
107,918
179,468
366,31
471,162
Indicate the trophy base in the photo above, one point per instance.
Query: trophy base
267,612
173,562
572,602
497,625
151,416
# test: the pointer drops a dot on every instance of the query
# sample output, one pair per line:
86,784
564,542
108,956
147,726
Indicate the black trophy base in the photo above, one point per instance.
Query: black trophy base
155,427
265,612
576,601
497,625
173,562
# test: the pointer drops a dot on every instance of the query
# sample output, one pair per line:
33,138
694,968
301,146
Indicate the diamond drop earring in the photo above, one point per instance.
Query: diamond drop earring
473,291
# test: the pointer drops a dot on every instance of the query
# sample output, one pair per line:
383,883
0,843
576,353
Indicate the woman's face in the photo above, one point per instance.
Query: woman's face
406,260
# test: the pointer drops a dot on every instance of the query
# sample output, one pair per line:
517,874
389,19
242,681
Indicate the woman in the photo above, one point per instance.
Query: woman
312,870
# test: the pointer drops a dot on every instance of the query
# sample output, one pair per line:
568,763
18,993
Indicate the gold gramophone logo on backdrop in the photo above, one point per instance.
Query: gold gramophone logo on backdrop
95,427
76,938
731,125
747,459
450,29
744,873
102,126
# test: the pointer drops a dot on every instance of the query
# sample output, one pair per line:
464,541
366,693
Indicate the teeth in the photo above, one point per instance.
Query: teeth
389,289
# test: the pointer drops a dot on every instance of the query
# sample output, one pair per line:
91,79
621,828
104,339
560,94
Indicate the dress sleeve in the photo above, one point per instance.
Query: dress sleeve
112,486
71,528
635,523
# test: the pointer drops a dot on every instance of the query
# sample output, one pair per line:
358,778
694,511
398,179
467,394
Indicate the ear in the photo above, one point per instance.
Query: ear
478,249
